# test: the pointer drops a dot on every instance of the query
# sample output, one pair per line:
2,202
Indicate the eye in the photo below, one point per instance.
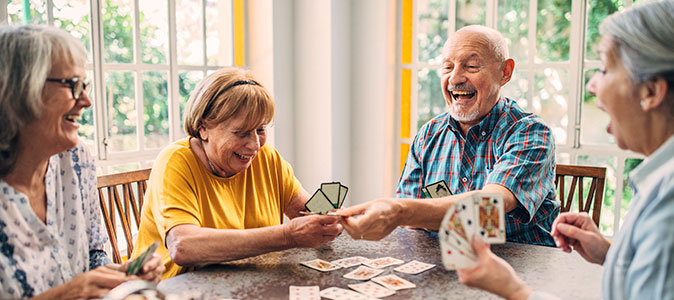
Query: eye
602,71
447,68
472,68
261,131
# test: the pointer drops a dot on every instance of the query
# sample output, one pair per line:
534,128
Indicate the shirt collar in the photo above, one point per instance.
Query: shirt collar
487,124
653,167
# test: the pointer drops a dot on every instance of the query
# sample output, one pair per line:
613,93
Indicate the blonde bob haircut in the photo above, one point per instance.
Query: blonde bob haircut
224,94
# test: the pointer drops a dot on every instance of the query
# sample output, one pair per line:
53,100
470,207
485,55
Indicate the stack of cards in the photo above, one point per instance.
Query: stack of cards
481,214
436,190
330,196
136,265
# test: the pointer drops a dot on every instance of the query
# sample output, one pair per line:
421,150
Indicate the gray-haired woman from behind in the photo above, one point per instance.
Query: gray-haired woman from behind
50,233
635,86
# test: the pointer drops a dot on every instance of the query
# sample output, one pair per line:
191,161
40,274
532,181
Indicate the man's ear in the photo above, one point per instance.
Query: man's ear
508,68
652,93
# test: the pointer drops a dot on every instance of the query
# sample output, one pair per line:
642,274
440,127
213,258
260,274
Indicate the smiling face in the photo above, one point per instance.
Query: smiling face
618,96
229,148
56,129
472,75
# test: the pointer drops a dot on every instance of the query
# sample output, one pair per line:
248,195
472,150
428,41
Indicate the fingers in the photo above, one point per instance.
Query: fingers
332,229
153,269
481,248
354,210
325,220
573,232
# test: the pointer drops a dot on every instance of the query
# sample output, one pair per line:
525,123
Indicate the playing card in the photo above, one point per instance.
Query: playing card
452,229
342,194
456,253
304,292
336,293
453,259
320,265
371,289
465,221
363,273
393,282
414,267
331,190
350,261
319,203
383,262
425,191
438,189
490,217
136,265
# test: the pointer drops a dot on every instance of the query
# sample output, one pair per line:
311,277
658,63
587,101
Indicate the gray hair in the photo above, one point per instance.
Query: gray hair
27,54
644,37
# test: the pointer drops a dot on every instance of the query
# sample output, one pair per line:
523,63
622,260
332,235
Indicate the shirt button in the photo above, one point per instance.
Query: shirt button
464,180
484,133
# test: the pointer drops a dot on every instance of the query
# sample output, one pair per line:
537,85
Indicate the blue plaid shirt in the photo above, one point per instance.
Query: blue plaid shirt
509,147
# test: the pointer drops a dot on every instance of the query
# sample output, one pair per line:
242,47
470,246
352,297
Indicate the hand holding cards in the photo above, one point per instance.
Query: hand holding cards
330,196
480,213
136,265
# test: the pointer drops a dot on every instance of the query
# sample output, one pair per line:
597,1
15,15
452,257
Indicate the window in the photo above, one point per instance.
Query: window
554,45
145,57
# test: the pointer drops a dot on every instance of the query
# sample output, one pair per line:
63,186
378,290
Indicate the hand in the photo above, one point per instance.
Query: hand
152,270
377,219
97,282
577,231
312,231
493,274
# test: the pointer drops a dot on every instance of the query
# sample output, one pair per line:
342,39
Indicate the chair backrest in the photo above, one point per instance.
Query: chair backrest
126,206
578,174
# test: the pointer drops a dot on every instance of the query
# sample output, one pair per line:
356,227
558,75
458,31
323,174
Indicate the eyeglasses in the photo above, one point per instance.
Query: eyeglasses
77,85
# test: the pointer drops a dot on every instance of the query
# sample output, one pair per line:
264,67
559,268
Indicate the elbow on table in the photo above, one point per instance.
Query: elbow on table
180,253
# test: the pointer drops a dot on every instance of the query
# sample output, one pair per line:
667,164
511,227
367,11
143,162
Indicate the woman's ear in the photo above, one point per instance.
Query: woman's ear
652,93
203,133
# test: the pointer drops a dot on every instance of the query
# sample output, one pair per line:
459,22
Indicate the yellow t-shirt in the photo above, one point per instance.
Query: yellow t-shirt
181,190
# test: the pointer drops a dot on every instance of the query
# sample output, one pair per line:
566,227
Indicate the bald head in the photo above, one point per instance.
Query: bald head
486,37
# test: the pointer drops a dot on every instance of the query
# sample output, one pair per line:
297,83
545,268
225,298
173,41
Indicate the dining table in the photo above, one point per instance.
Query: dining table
269,276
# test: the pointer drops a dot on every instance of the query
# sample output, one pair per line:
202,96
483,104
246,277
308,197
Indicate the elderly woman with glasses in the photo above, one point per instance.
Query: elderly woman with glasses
635,86
50,232
220,194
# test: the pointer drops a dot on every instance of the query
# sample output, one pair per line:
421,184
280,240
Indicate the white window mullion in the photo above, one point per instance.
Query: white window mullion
138,81
4,17
576,58
531,35
451,17
174,92
203,32
100,114
50,12
617,202
491,13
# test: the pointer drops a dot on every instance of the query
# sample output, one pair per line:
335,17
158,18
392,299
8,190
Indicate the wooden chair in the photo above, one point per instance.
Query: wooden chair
595,194
126,206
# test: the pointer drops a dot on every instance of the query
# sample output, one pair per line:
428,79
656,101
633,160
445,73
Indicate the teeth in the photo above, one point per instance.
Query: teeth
243,156
72,118
461,93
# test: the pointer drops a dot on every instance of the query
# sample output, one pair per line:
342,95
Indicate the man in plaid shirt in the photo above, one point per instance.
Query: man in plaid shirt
483,143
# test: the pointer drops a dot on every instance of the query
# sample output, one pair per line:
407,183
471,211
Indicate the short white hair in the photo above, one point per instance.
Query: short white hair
27,55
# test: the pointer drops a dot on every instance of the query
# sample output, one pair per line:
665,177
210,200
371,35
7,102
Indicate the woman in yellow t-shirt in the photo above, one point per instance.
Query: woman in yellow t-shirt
220,194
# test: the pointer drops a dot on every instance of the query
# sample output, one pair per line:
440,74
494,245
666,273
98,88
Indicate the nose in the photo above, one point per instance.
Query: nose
592,84
253,142
457,77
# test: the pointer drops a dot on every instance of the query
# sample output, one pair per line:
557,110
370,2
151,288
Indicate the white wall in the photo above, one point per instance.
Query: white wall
332,76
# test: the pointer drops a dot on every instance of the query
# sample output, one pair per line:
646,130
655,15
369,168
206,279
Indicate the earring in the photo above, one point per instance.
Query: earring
643,104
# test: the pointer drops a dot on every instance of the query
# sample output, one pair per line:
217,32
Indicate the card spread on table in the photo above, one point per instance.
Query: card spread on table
321,265
330,196
479,213
304,292
363,273
371,289
383,262
414,267
336,293
350,261
436,190
393,282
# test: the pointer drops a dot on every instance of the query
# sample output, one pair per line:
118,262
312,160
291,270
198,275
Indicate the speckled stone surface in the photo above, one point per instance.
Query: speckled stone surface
269,276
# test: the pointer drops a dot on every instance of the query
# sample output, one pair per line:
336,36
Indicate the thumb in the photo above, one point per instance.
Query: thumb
352,211
573,232
481,248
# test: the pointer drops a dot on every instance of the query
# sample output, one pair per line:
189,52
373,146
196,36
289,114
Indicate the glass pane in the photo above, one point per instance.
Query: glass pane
155,109
513,23
121,101
628,193
593,122
550,100
470,12
87,130
517,88
189,32
153,19
553,30
608,207
598,10
430,102
73,16
187,81
432,29
27,12
118,31
123,168
562,158
219,42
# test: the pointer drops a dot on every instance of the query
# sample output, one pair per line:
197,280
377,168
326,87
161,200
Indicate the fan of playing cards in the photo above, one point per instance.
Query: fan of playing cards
481,214
330,196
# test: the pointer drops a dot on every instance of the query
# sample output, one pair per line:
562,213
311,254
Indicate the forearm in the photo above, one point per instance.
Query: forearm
426,213
61,292
191,245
